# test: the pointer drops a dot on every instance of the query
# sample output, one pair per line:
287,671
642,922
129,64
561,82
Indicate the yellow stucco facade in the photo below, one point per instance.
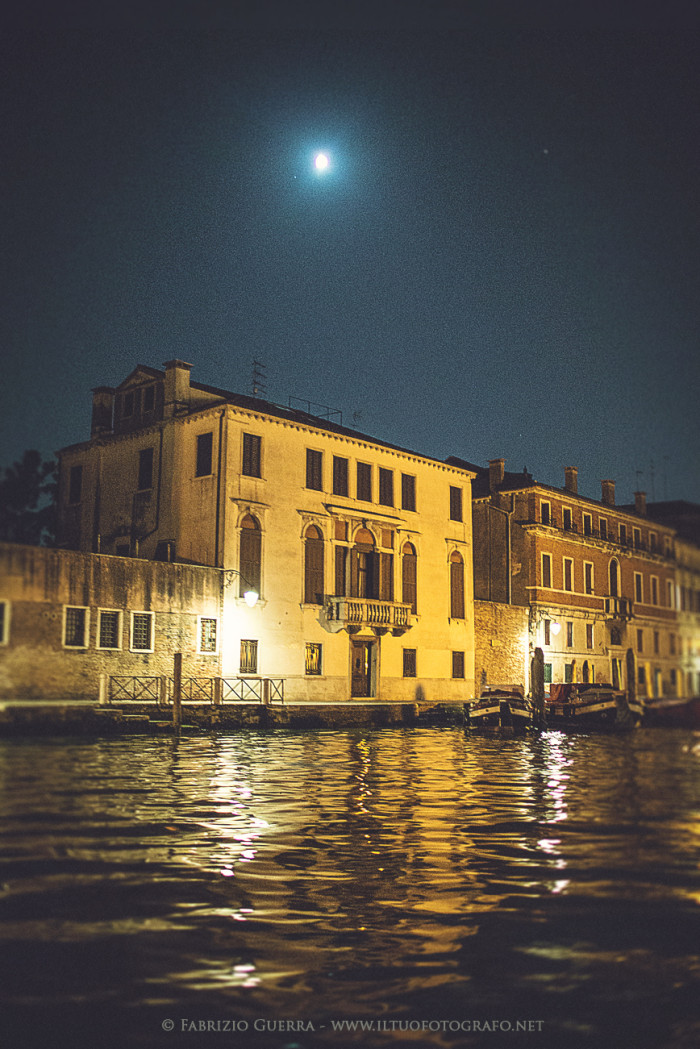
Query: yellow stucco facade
360,552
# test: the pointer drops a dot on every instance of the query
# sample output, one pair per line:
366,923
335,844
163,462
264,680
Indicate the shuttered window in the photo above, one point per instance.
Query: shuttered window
249,555
409,565
456,587
313,566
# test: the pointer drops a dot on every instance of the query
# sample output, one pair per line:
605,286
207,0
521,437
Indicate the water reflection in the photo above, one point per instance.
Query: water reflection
394,873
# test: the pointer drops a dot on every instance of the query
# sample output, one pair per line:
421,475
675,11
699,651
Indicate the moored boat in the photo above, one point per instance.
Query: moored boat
673,712
501,708
581,707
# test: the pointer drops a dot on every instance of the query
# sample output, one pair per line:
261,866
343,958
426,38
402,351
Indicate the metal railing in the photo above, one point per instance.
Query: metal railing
213,690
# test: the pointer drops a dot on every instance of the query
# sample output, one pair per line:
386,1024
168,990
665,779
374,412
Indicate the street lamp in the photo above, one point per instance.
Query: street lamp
250,594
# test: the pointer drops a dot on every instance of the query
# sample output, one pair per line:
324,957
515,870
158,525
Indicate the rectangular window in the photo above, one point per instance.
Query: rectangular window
75,484
587,524
207,639
656,642
149,399
109,623
640,640
145,469
588,576
548,673
252,461
569,634
653,542
546,570
341,559
4,622
408,492
205,443
340,476
312,659
568,574
603,528
458,665
623,535
547,631
314,469
455,504
637,538
249,657
567,519
589,635
654,590
364,482
75,627
568,673
409,662
386,487
672,644
141,632
669,593
546,513
638,588
128,405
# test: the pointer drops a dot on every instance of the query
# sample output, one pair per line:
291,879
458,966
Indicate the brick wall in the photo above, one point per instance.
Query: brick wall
36,586
501,644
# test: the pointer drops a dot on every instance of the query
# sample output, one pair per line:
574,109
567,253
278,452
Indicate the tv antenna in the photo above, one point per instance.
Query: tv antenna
259,379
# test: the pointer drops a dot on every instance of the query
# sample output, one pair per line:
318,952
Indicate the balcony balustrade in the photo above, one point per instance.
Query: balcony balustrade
353,613
618,608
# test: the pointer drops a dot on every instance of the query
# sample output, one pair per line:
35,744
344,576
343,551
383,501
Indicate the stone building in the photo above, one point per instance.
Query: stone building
359,551
597,579
68,617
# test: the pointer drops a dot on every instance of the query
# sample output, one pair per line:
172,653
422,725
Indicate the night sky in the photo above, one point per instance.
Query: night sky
502,258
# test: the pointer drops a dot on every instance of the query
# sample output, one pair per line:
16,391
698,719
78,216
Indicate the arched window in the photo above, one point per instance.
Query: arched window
364,566
313,566
614,579
250,555
456,586
409,563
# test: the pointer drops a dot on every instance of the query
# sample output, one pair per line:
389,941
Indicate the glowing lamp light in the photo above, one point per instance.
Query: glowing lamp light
251,598
556,627
321,162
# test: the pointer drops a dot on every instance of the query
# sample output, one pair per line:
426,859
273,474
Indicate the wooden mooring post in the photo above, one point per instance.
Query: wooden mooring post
177,691
537,686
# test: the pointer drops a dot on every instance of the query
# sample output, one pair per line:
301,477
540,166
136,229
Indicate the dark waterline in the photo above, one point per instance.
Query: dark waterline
403,877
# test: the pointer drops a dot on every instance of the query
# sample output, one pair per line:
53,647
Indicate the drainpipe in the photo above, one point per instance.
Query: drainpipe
507,514
217,524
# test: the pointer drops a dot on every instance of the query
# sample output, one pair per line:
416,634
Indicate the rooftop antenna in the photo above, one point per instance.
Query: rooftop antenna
259,378
653,492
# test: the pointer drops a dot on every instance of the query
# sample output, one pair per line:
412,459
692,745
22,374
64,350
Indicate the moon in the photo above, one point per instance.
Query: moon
321,162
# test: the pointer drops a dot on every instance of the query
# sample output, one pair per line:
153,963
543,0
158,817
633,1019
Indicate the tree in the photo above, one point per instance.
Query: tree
27,501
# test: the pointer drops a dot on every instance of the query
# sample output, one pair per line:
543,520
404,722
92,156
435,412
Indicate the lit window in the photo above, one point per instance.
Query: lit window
313,659
109,628
250,556
75,627
249,657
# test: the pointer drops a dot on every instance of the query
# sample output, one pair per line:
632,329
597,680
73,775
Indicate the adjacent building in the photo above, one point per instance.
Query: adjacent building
359,551
598,580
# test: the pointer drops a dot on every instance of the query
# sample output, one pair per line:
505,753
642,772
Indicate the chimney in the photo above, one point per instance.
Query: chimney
102,408
608,496
177,387
497,471
640,503
571,479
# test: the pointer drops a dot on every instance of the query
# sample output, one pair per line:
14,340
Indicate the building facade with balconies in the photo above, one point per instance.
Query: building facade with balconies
598,579
359,551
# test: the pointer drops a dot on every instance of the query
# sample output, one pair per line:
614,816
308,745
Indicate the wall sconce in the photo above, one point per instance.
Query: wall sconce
556,627
250,594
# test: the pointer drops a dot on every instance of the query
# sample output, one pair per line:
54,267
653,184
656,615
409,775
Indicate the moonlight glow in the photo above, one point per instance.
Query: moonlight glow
321,162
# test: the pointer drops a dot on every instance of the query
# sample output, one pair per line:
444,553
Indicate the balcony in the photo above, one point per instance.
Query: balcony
618,608
353,613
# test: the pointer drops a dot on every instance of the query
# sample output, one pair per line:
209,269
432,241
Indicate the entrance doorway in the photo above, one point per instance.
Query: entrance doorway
363,656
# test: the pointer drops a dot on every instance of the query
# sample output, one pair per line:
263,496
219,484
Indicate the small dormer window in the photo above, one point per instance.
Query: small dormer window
149,399
128,404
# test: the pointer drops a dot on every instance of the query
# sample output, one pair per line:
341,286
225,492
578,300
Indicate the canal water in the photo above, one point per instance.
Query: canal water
417,887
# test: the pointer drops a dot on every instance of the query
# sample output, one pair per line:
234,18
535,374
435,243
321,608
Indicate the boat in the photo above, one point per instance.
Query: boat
673,712
501,708
586,707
